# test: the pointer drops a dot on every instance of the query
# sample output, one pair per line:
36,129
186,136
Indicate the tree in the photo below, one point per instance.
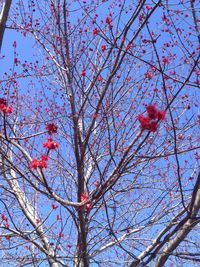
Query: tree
100,135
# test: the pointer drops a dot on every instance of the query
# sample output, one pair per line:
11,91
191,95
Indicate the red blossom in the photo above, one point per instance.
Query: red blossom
96,31
94,116
88,206
45,157
7,109
84,196
197,72
51,128
15,44
50,144
16,60
149,7
144,121
108,20
165,60
3,101
38,221
152,111
99,78
34,164
42,163
83,73
148,75
4,218
161,114
151,121
61,234
129,46
96,183
103,48
58,218
54,206
4,107
152,126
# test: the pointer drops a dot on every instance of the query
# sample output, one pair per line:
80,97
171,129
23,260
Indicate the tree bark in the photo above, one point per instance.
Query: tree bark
3,18
185,229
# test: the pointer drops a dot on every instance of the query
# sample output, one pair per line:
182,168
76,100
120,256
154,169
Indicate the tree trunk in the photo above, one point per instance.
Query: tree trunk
3,18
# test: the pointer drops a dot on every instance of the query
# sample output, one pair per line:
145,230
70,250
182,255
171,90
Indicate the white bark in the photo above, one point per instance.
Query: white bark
30,213
183,231
3,18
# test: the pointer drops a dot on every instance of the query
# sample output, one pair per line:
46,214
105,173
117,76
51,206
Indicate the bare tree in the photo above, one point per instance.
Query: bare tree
100,135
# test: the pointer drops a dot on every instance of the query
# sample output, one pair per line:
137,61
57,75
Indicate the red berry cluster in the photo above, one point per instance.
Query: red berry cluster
150,122
4,107
50,144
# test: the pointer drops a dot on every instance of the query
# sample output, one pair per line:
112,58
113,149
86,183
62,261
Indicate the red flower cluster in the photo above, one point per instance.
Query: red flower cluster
108,20
51,128
54,206
149,7
154,113
4,107
129,46
50,144
41,163
61,234
150,122
148,75
96,31
103,48
83,73
96,183
4,218
84,197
